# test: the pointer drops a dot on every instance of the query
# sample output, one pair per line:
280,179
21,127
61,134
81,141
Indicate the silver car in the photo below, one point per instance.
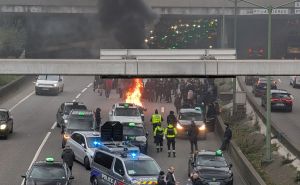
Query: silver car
84,143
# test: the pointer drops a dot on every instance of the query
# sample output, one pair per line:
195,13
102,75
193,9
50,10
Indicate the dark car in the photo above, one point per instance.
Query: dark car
64,110
260,87
6,123
48,172
137,135
211,167
78,120
280,100
250,80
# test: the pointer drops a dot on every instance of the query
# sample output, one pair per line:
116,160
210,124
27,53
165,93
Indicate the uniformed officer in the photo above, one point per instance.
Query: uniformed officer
155,119
170,133
158,137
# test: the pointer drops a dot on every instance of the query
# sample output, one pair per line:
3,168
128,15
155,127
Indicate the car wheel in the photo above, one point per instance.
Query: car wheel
189,168
37,93
57,124
12,129
5,137
290,109
87,163
63,145
94,181
62,89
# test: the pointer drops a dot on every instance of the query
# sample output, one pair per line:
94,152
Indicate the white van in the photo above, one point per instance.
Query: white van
51,84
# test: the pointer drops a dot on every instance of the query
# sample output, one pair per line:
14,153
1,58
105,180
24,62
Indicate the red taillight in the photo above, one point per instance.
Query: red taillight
275,99
250,50
288,100
261,51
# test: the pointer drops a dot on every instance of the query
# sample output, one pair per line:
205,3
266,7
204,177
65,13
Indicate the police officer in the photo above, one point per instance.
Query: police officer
158,137
68,157
170,133
98,118
170,178
161,179
155,119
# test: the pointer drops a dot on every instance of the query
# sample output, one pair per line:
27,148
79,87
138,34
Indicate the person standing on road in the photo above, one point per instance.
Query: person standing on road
161,179
227,137
170,178
68,157
158,137
98,118
193,133
170,133
156,119
177,103
171,118
196,179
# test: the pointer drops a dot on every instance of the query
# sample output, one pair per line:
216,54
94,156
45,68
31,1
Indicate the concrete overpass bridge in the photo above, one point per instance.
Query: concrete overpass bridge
173,7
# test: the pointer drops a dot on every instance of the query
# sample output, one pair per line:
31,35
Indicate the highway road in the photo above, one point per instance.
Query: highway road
287,122
35,136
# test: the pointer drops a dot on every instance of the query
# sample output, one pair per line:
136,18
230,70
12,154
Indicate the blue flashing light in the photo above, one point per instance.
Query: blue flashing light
133,155
97,143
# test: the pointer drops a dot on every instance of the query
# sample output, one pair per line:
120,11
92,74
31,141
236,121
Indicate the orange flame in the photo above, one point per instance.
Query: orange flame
134,93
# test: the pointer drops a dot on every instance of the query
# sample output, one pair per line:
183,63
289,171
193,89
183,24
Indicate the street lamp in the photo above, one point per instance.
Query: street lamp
270,8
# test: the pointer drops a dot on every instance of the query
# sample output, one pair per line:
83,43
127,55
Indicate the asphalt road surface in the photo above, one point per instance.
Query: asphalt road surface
288,122
35,136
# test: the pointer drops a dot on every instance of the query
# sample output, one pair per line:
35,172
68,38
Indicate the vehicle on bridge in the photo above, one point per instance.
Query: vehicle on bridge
6,123
280,100
211,167
137,135
185,118
65,109
48,172
295,81
125,113
250,80
260,87
78,120
51,84
84,144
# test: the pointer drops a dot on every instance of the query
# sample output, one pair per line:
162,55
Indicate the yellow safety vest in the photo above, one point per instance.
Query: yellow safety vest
170,132
158,131
156,118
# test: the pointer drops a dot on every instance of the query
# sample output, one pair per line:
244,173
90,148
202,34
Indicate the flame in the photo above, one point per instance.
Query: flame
134,93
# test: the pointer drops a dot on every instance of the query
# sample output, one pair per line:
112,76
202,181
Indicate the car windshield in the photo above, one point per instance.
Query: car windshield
211,161
3,115
141,168
93,142
190,116
48,172
133,131
134,112
80,124
48,77
68,108
280,95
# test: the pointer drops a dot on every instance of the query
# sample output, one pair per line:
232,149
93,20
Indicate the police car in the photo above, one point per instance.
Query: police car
211,167
137,135
78,120
125,113
119,162
83,144
185,118
48,172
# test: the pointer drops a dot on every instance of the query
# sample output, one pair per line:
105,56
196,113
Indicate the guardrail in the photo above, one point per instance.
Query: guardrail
244,166
277,132
13,85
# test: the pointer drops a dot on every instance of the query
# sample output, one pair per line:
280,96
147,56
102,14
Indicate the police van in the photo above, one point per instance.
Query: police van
120,163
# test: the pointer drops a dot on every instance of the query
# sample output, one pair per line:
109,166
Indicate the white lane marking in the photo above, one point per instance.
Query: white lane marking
89,85
53,126
78,95
83,90
38,152
21,101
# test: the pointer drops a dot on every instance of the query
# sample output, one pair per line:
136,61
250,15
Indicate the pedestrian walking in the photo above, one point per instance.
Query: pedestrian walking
155,119
170,133
161,179
177,103
227,137
68,157
158,137
170,178
98,118
193,133
171,118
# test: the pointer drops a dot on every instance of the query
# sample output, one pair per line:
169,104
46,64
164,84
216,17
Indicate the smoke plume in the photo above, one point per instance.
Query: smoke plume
127,20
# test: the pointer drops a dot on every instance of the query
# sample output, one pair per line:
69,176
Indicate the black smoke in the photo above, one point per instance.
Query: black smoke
127,20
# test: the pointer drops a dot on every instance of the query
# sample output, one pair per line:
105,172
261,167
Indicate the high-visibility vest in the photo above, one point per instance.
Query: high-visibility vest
159,131
156,118
170,131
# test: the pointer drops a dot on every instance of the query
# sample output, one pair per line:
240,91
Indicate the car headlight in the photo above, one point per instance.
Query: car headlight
65,121
55,85
179,127
202,128
66,136
3,127
37,84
